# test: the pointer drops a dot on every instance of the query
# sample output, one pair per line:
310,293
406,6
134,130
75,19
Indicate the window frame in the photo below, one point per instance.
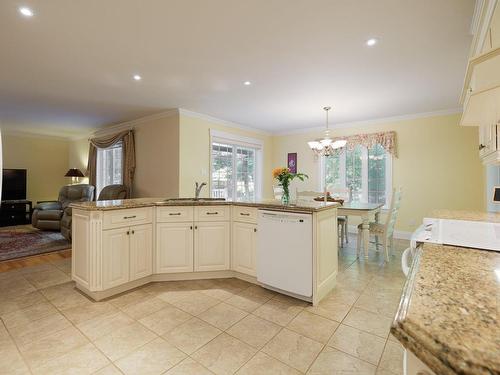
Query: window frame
364,174
217,136
99,165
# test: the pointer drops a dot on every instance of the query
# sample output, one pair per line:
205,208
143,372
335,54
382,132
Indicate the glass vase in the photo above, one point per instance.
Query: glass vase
285,198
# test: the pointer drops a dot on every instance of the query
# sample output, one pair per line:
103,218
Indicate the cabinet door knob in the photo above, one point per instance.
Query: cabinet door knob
191,227
255,230
133,232
196,227
481,146
128,232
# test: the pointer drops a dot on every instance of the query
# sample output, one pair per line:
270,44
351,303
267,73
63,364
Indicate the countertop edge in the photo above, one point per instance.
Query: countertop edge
443,362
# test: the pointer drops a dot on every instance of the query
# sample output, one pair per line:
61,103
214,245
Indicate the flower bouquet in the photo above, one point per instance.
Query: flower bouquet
284,177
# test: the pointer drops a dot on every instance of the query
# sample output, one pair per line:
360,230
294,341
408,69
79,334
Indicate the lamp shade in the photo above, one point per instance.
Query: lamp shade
74,172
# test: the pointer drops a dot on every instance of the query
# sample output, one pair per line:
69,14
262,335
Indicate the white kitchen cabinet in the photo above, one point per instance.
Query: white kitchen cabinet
212,246
141,251
174,247
487,140
244,248
116,258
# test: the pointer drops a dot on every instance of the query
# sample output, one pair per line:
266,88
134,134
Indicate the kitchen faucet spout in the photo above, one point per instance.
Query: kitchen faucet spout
197,189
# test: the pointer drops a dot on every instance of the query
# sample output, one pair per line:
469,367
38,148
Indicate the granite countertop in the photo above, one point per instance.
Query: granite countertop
449,311
300,206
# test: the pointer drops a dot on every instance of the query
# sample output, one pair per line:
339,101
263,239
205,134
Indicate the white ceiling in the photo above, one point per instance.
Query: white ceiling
69,68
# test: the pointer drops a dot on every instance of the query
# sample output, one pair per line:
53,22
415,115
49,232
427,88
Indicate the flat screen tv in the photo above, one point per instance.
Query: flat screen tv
13,184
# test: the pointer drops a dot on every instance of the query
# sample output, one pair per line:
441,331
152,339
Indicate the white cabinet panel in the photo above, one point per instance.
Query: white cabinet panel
245,214
211,246
175,214
115,257
174,247
212,213
126,218
244,248
141,251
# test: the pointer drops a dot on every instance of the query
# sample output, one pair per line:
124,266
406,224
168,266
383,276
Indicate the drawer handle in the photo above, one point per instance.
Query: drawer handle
130,217
255,230
128,232
212,213
244,214
174,213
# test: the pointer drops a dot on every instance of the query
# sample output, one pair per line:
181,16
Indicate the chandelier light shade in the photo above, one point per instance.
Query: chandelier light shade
326,146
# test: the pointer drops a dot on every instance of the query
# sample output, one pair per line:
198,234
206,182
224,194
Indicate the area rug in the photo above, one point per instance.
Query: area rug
24,240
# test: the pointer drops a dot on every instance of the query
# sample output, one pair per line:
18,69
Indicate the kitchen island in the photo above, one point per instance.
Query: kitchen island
448,317
120,245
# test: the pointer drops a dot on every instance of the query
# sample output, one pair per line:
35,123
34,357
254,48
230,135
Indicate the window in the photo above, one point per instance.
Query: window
234,167
366,172
109,166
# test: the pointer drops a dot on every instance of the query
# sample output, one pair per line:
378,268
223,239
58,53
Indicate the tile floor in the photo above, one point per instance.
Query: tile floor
201,327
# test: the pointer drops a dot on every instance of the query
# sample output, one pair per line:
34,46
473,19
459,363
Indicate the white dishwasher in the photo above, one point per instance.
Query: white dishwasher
284,251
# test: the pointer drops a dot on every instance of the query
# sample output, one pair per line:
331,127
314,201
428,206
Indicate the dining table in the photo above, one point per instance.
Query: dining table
365,211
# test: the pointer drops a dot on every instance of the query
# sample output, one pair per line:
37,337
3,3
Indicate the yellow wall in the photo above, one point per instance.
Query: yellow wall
194,159
78,151
45,158
437,166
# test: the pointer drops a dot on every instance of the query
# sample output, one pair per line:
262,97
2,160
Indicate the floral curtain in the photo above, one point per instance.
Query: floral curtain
386,139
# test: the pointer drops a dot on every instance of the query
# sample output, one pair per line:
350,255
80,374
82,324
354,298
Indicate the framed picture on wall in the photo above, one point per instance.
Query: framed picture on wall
292,162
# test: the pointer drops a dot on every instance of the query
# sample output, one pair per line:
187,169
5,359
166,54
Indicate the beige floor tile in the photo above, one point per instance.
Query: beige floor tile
28,315
14,287
165,319
393,338
144,308
392,358
47,278
191,335
330,309
379,302
151,359
381,371
82,313
24,333
357,343
193,302
259,291
125,340
293,349
254,331
38,352
333,362
219,291
108,370
83,360
290,300
129,298
65,296
11,361
263,364
344,296
246,301
189,367
222,315
104,324
313,326
19,302
278,312
224,354
369,322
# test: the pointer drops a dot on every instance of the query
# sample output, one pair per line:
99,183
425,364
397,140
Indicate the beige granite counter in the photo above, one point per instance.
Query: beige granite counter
449,311
301,206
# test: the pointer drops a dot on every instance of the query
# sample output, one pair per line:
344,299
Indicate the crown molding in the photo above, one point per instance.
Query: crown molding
229,124
381,120
31,134
132,123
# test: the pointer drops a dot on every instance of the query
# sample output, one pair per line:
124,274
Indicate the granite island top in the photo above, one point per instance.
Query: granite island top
449,311
300,206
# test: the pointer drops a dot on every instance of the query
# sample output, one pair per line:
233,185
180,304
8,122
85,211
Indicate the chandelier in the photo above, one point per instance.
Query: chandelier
326,146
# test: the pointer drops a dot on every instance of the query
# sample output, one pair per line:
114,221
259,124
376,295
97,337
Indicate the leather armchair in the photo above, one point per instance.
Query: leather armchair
56,215
112,192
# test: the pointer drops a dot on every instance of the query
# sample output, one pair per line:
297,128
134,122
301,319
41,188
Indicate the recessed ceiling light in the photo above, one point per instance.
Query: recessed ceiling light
137,77
247,83
25,11
371,42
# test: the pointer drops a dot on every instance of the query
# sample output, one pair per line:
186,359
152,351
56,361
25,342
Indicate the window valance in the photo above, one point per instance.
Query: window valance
386,139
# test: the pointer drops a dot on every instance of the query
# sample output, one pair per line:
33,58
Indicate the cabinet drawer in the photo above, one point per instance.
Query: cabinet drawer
124,218
245,214
212,213
174,214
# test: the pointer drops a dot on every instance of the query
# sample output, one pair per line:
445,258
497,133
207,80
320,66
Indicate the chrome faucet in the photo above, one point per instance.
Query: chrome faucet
197,189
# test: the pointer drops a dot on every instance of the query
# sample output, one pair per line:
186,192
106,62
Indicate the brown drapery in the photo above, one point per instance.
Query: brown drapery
127,138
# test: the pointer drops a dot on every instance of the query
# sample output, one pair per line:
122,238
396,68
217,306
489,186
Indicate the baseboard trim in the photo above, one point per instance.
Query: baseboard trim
399,234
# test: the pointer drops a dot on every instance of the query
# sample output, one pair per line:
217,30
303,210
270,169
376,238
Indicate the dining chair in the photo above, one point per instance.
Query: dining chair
385,230
343,194
341,221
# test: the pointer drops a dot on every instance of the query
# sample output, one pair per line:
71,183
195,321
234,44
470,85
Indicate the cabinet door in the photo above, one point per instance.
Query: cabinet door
115,257
211,246
174,247
141,251
244,248
487,139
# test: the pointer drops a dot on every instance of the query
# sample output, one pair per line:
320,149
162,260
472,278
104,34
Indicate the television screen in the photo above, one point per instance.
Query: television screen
13,184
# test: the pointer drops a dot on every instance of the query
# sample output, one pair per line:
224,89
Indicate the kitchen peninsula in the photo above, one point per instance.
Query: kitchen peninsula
120,245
